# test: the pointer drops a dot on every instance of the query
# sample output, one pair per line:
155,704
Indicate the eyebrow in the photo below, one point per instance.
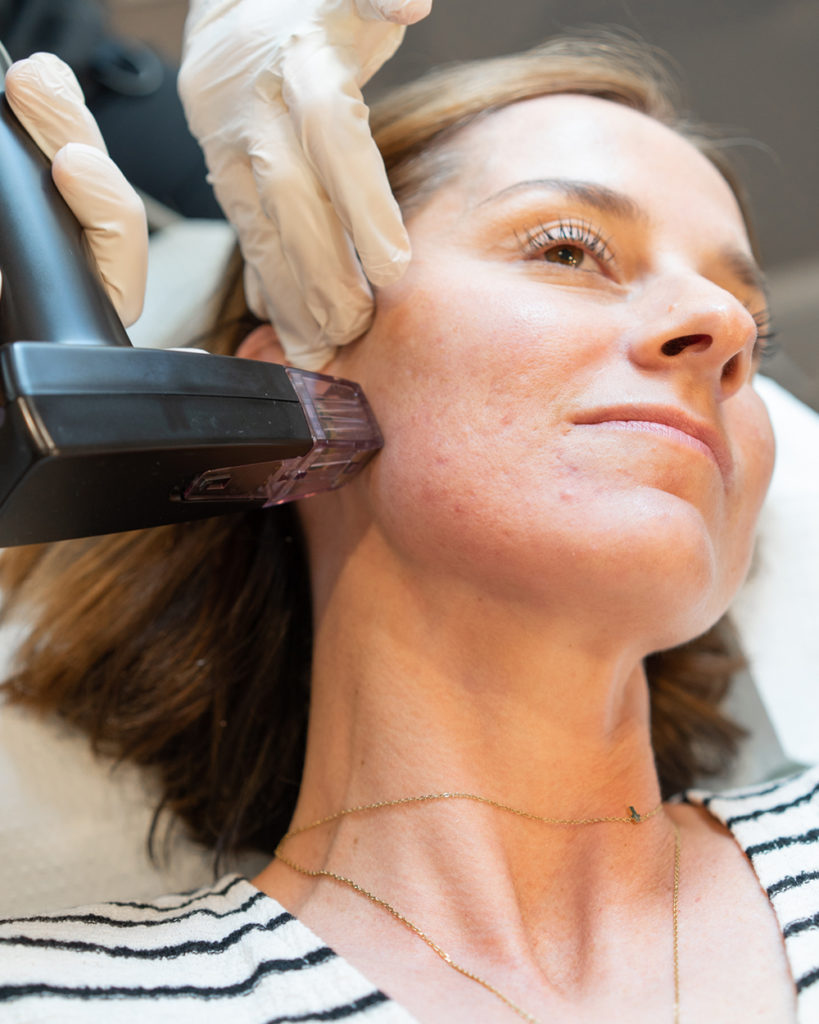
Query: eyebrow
608,200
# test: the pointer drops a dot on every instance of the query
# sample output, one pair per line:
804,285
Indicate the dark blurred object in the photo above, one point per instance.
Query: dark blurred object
130,90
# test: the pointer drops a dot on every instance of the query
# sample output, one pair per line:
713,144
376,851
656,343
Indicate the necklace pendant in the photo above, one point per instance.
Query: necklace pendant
635,817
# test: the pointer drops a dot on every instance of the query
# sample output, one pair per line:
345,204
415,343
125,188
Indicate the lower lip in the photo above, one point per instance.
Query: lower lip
659,430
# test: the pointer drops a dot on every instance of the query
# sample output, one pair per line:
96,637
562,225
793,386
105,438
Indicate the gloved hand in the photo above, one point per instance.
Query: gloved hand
46,97
271,89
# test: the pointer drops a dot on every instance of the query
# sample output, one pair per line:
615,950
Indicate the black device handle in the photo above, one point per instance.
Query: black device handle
97,436
50,291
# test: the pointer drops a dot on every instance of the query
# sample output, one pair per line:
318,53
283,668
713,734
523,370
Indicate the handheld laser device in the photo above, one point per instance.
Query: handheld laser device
97,436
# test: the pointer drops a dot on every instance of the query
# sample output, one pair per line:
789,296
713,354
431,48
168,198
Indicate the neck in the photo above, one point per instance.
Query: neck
420,685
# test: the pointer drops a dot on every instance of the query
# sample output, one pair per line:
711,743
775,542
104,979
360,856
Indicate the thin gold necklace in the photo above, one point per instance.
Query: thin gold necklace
632,818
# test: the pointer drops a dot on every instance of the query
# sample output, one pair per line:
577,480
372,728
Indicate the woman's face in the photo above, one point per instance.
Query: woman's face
564,375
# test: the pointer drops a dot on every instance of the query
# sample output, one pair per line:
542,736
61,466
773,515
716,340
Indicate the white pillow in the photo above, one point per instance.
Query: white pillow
73,828
777,611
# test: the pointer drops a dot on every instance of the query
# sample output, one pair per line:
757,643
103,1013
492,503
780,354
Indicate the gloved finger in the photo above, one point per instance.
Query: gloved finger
301,336
114,220
331,119
296,339
317,248
273,287
402,12
47,99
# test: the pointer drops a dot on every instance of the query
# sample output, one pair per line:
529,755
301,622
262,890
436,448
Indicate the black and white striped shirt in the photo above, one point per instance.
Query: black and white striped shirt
225,953
230,953
777,825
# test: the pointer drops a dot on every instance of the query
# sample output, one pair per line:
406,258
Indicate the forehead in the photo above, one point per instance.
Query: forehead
587,139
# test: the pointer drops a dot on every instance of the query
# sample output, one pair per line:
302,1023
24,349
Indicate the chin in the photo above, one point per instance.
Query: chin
683,580
649,561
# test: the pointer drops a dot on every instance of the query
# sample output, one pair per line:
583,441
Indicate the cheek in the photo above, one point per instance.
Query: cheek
754,449
474,471
462,365
440,368
481,341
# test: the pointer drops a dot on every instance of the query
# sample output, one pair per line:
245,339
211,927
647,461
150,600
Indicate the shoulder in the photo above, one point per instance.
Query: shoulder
769,817
178,958
777,826
130,930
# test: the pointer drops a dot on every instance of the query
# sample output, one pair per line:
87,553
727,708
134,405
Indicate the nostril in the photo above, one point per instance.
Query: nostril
677,345
730,368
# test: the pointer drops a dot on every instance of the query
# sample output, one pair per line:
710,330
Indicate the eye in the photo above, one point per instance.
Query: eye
573,244
568,255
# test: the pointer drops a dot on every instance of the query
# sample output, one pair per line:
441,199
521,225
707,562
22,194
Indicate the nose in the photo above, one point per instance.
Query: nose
696,327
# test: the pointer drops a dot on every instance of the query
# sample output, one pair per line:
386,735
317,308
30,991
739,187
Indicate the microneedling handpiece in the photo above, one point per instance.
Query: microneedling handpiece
97,436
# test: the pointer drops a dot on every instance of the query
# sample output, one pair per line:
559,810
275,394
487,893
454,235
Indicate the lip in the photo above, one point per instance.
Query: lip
670,416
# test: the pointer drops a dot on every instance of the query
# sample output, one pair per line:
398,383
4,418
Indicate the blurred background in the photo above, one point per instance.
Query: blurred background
749,66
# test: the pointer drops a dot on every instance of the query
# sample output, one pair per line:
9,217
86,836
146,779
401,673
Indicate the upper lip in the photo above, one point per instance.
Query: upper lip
672,417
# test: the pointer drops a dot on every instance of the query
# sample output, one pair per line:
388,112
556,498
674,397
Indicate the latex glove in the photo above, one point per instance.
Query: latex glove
271,89
46,97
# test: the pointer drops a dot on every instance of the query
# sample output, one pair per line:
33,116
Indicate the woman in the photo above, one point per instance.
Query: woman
574,461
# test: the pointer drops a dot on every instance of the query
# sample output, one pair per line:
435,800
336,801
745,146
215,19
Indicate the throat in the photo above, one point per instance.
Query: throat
558,933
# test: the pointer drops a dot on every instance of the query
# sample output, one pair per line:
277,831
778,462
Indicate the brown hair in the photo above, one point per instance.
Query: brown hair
186,649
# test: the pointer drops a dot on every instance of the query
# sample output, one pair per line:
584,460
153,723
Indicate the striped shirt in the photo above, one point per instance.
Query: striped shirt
230,953
777,825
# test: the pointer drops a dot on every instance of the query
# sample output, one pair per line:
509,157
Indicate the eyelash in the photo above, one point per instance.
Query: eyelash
765,347
582,233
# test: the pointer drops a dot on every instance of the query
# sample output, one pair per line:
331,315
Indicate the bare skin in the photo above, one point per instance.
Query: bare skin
486,593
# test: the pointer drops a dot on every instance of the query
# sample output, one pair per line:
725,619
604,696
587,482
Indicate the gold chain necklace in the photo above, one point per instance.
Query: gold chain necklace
632,818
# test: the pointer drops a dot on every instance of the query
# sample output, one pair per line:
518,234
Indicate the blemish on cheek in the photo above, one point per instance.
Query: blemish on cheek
570,468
